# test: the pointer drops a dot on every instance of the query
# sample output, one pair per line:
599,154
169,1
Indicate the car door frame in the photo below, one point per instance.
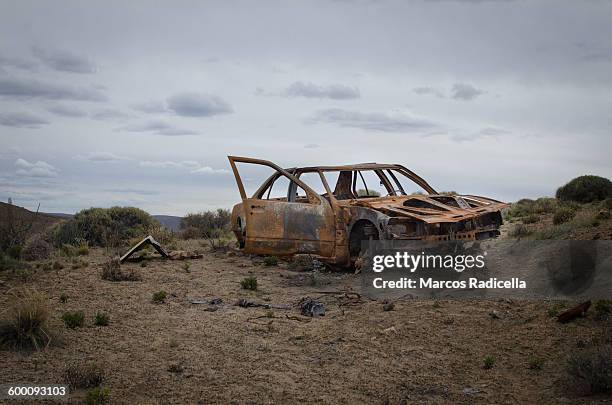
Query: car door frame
284,227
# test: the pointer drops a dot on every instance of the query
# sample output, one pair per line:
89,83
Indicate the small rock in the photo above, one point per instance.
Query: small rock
388,306
494,315
311,307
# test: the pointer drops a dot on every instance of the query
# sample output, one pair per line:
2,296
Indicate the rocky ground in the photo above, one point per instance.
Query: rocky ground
422,351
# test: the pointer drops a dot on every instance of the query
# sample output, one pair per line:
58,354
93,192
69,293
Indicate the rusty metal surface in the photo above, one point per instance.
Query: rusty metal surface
330,225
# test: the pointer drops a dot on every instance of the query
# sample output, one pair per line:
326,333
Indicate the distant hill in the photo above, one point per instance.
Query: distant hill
24,217
170,222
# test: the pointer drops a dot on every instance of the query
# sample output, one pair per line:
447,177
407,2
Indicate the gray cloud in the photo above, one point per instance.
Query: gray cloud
20,88
311,90
64,61
488,132
18,63
38,169
311,146
190,165
428,91
22,120
158,127
198,105
102,157
151,107
108,114
466,92
386,122
66,111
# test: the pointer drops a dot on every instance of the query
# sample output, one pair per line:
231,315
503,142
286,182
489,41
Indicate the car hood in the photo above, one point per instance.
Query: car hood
432,208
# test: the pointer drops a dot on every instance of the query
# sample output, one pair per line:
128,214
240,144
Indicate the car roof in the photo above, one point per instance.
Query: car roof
358,166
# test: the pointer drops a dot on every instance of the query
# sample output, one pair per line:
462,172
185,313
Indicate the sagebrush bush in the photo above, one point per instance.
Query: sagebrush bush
26,321
106,227
101,319
98,395
36,248
518,231
603,309
83,250
159,297
206,224
111,271
270,260
592,369
78,376
563,215
586,189
74,319
249,283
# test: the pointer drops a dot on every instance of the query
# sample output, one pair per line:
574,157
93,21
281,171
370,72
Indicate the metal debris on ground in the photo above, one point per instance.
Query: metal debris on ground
149,240
244,303
578,310
310,307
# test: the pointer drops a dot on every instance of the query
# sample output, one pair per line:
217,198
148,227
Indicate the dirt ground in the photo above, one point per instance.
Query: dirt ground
420,352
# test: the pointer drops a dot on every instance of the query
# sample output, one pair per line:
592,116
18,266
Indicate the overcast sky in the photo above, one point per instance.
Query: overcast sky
139,103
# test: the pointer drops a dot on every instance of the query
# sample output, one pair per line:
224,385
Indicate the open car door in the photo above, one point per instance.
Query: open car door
284,226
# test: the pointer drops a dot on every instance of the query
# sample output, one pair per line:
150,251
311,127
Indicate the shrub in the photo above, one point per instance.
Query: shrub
249,283
270,260
556,309
14,252
74,319
159,297
531,219
69,250
63,298
544,205
101,319
518,231
36,249
536,363
207,224
98,395
488,362
83,376
586,189
563,214
161,234
592,369
106,227
603,309
367,193
83,250
608,203
26,322
111,271
57,265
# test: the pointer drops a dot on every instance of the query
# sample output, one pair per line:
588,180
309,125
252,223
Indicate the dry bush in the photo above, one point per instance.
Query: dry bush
592,369
111,271
25,321
207,224
83,376
37,248
162,234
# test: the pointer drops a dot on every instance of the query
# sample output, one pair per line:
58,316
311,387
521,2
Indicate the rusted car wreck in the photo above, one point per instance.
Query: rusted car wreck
295,211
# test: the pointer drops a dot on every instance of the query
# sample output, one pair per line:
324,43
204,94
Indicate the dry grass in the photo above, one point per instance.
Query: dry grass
25,321
111,271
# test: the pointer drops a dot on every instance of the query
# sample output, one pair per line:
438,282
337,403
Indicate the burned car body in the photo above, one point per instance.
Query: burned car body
367,201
